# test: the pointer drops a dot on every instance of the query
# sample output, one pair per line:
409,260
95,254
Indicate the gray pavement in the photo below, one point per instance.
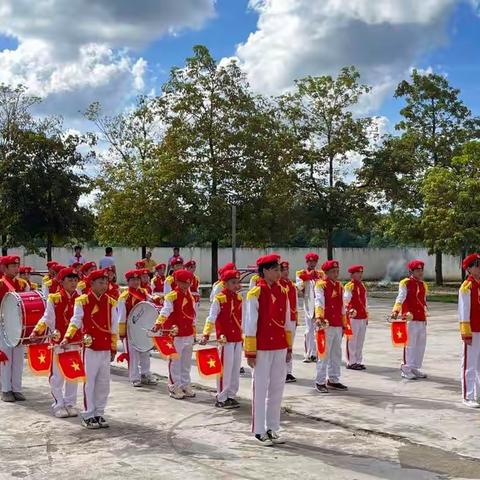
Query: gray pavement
383,427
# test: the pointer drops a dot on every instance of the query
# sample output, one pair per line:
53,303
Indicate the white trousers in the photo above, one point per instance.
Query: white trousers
471,368
415,350
290,363
64,393
179,369
268,382
229,381
354,345
310,343
11,371
97,386
138,362
329,366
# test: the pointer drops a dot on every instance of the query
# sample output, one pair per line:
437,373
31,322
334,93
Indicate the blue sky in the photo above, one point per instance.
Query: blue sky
288,39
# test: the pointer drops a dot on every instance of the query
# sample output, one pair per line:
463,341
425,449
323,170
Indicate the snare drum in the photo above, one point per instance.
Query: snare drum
19,313
139,322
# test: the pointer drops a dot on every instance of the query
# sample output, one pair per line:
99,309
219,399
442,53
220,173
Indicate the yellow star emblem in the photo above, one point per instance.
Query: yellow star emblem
212,363
399,334
42,358
75,366
169,345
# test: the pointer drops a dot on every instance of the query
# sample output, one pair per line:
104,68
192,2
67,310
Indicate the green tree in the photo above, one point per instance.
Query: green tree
320,114
439,123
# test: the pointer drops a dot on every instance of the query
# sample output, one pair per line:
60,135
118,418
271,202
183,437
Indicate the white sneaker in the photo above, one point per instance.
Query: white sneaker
471,403
72,411
419,373
409,375
275,437
137,383
177,393
148,380
188,391
61,413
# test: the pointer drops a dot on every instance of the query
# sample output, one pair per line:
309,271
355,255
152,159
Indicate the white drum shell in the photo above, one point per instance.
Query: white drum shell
140,320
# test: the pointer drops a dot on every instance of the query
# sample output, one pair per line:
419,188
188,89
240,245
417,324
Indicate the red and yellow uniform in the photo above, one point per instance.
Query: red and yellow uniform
355,299
96,316
291,288
411,302
329,306
268,337
158,283
58,312
179,309
113,290
225,317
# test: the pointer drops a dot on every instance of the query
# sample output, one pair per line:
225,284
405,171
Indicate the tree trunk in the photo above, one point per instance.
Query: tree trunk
214,260
49,247
144,251
4,248
438,268
329,244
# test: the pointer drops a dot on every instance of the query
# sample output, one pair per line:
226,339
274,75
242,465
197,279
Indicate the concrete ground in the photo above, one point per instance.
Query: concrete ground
382,428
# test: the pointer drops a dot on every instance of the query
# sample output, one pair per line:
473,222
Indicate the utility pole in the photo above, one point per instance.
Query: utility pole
234,233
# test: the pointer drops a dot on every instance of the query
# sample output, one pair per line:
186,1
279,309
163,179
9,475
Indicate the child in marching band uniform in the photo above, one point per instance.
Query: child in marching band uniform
225,318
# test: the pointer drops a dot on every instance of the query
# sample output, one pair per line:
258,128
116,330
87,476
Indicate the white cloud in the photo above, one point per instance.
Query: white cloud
73,52
383,38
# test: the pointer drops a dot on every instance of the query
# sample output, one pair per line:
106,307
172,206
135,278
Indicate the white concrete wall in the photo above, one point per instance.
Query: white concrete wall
379,263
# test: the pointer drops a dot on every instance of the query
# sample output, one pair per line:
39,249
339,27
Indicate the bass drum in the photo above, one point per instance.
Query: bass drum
139,322
19,313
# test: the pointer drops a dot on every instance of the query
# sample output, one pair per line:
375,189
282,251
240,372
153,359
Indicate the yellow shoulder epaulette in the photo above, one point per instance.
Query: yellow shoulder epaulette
112,301
81,285
466,286
34,286
123,295
320,283
403,283
82,299
48,282
426,286
171,296
255,276
253,292
348,286
221,297
22,282
299,272
169,279
55,297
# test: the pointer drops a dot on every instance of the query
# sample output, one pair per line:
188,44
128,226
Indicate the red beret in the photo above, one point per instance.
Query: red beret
190,263
66,272
272,258
25,269
227,266
176,261
51,263
470,259
57,267
329,264
76,264
133,274
311,257
183,275
229,274
87,266
284,264
159,266
139,264
96,274
414,264
144,271
355,268
10,259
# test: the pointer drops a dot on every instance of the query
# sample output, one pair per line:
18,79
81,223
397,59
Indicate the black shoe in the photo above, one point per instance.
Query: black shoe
8,397
313,359
102,422
336,385
19,397
264,440
234,402
90,423
290,378
321,388
242,371
354,366
307,360
362,366
220,404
